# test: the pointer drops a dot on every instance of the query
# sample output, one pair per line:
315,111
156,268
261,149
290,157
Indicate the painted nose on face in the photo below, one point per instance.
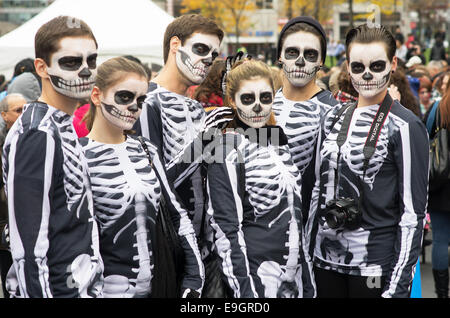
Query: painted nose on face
85,73
133,108
300,62
208,61
257,108
367,76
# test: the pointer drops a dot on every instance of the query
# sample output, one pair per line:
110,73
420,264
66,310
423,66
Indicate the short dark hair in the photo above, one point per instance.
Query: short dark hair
366,34
49,35
184,26
301,26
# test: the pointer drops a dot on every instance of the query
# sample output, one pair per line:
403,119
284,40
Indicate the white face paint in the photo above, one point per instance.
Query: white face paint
74,67
369,68
196,56
122,103
301,57
254,102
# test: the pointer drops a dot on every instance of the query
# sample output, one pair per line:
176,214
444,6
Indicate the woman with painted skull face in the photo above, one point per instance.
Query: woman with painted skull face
127,189
369,201
300,104
255,195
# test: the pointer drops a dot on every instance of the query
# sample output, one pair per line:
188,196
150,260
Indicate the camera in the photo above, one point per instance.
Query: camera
343,213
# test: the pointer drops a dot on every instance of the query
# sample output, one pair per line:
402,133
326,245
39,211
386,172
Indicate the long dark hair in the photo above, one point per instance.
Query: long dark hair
444,108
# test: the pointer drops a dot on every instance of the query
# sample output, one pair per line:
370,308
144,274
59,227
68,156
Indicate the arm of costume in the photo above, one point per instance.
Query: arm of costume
31,160
192,155
194,269
411,155
227,215
149,124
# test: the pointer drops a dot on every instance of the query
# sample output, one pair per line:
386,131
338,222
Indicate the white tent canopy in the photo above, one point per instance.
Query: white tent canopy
121,27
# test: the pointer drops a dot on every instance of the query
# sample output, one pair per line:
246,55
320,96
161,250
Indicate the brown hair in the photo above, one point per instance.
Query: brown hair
243,71
301,26
437,83
366,34
110,73
184,26
49,35
212,82
444,108
407,98
345,82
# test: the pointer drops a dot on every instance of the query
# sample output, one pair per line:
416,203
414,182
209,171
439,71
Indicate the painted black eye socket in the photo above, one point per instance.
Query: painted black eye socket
70,63
357,67
200,49
378,66
291,53
92,61
140,101
311,55
124,97
266,97
248,99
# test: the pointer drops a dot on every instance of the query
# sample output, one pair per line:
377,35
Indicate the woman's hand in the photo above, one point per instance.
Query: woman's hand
393,91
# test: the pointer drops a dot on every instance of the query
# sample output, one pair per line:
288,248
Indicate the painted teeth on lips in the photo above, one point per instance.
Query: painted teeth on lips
123,116
255,118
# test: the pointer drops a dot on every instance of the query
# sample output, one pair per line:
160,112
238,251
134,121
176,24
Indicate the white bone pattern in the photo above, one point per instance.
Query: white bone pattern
352,149
182,120
270,175
116,193
301,123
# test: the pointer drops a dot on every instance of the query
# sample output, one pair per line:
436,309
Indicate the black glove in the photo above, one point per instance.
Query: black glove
229,63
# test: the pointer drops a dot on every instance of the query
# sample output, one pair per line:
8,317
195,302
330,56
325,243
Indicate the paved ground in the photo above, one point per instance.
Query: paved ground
425,272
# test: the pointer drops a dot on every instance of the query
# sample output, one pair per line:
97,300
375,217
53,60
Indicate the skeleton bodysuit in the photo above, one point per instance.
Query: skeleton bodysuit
301,122
388,241
172,122
256,216
53,234
126,201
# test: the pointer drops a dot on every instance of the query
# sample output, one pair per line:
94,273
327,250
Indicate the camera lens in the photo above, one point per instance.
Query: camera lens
335,219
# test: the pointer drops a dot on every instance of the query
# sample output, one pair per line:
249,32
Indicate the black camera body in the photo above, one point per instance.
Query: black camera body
343,213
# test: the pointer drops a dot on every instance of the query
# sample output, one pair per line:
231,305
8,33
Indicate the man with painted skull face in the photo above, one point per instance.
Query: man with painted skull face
300,104
173,121
369,201
53,233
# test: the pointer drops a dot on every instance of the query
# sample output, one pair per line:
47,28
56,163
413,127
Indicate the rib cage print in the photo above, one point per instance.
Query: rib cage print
301,123
352,149
268,173
124,187
182,120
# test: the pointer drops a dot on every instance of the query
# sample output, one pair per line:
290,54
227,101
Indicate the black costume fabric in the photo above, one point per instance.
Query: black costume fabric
53,233
255,204
388,240
127,193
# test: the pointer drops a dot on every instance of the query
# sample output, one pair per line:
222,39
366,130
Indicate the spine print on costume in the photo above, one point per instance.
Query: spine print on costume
66,204
126,193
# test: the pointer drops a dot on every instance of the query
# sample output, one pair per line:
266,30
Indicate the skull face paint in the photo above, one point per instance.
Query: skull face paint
196,56
369,68
73,68
301,57
254,102
122,103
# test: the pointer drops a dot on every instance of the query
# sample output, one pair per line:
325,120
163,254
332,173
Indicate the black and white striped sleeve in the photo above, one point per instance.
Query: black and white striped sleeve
411,155
194,270
32,158
225,205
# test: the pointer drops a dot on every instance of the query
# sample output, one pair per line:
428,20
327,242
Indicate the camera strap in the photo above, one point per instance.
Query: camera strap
372,136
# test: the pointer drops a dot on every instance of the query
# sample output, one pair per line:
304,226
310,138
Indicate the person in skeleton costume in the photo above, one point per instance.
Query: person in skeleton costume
255,195
369,201
300,104
53,234
172,121
127,189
